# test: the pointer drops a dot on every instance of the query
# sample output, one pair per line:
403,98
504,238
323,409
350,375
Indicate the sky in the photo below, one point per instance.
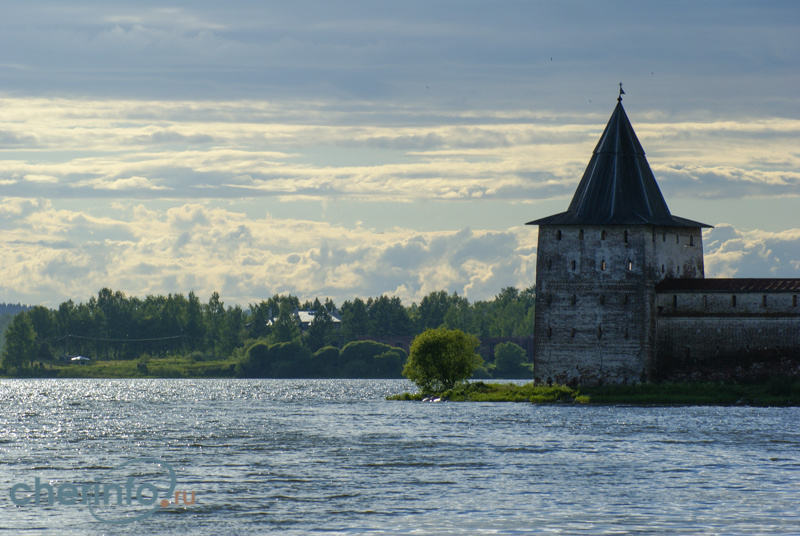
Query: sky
359,148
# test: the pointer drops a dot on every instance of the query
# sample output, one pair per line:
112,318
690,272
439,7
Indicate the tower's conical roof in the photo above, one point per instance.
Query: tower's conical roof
618,187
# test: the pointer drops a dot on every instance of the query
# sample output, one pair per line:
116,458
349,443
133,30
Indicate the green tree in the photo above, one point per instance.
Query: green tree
322,331
290,360
20,347
256,363
508,361
215,317
433,308
387,317
325,362
285,327
441,358
355,320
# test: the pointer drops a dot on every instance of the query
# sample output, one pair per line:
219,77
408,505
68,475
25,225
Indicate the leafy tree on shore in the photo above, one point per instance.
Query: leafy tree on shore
441,358
508,361
20,347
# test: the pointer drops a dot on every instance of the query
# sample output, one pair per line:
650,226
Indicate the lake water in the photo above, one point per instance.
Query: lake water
333,457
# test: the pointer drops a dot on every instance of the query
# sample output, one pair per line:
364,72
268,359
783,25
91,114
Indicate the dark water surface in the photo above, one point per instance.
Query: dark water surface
334,457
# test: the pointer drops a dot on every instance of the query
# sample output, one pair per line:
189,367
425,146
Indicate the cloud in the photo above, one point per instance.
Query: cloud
211,150
52,255
733,253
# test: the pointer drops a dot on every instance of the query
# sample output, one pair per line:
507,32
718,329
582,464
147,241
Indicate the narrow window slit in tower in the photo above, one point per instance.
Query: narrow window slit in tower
574,264
603,235
558,234
602,265
580,235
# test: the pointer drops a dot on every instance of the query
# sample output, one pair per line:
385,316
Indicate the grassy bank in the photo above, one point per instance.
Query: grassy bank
168,367
776,392
504,392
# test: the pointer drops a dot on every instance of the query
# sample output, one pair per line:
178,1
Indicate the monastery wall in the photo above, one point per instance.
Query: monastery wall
719,331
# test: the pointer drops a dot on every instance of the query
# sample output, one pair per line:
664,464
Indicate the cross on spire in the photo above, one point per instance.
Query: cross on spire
621,93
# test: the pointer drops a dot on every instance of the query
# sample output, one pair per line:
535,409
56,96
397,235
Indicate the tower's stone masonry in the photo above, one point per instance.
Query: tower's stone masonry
621,294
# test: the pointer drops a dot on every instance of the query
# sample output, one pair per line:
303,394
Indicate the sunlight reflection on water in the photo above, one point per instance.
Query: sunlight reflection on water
334,457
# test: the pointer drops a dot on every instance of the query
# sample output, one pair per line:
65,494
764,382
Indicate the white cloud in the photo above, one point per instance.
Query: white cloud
52,255
733,253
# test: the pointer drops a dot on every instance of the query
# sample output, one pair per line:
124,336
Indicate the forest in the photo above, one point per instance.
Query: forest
114,327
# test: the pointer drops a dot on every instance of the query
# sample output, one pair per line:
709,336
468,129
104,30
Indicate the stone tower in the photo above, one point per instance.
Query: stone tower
598,264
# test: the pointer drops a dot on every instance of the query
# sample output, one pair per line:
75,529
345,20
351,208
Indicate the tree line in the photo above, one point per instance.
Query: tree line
114,326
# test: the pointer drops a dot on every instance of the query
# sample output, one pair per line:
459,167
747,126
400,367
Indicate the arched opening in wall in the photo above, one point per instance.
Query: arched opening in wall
603,235
662,268
580,234
691,239
678,238
573,333
764,300
558,234
574,299
733,301
664,237
625,236
574,265
599,332
675,301
550,264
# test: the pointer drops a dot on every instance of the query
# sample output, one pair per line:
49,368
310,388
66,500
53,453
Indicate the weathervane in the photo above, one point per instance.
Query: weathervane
621,93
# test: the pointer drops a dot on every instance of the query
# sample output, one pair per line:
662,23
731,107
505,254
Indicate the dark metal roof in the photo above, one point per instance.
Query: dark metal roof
618,187
728,285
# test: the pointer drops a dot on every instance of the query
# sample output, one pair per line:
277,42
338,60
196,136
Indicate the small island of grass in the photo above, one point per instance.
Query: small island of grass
773,392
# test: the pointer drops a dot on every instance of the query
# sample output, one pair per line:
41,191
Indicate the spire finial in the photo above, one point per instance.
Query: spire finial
621,93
